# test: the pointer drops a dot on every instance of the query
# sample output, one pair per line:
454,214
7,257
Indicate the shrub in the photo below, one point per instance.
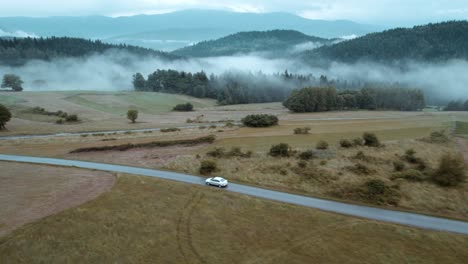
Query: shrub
411,175
229,124
171,129
358,142
207,167
378,192
361,156
5,116
72,118
451,171
188,107
260,120
132,115
302,131
322,145
302,164
280,150
398,165
323,162
360,169
60,121
345,143
307,155
213,127
370,140
216,153
234,152
410,156
438,137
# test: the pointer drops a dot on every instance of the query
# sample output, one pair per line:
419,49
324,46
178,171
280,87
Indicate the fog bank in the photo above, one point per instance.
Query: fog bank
113,70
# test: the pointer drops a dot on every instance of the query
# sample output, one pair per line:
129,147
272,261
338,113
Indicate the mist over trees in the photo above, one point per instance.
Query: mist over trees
227,88
316,99
18,51
457,106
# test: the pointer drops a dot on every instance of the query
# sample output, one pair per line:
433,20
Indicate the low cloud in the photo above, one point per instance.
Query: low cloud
113,70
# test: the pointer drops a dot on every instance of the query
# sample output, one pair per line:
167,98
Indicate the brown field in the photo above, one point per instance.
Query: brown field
398,130
31,192
147,220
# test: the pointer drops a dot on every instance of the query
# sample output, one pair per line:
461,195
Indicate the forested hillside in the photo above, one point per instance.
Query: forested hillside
278,41
432,42
17,51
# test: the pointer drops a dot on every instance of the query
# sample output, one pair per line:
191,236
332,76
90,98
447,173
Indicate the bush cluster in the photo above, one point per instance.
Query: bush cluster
307,155
322,145
302,131
451,171
171,129
234,152
188,107
207,167
262,120
370,140
345,143
280,150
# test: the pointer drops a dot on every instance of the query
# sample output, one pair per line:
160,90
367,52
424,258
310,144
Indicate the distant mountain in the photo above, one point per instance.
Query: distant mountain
17,51
176,30
432,42
277,42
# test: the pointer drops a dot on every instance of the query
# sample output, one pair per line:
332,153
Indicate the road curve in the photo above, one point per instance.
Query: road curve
398,217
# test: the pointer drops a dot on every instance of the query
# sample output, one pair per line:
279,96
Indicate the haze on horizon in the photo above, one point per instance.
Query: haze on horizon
385,12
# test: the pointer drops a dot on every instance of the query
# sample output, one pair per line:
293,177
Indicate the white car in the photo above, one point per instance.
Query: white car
217,181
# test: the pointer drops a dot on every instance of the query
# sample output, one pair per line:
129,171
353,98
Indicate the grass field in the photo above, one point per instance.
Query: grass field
145,220
461,128
146,102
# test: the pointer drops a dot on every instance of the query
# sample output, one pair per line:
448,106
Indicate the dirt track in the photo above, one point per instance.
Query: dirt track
30,192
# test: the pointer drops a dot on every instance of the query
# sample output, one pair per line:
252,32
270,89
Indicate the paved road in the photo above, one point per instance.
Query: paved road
410,219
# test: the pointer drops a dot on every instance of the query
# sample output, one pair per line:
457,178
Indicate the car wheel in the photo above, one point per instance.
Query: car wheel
207,183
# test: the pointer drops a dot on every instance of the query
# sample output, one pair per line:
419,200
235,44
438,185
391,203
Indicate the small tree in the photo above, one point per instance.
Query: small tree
5,116
132,114
139,82
12,81
451,171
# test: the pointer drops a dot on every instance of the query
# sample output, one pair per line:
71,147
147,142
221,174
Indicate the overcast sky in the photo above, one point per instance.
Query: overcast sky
385,12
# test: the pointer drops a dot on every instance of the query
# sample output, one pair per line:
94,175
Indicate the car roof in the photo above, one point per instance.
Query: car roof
218,178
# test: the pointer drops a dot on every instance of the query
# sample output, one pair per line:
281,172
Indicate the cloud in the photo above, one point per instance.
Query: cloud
113,70
18,34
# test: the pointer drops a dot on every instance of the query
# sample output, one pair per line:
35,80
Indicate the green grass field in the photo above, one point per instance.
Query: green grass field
145,220
10,100
146,102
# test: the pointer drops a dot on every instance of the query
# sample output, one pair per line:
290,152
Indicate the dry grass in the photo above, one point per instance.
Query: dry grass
332,173
30,192
144,220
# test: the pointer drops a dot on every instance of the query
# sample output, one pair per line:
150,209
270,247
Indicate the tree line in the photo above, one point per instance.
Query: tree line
320,99
245,88
17,51
227,88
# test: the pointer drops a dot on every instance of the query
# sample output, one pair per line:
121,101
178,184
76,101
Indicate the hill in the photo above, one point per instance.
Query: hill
253,41
152,30
432,42
17,51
